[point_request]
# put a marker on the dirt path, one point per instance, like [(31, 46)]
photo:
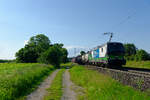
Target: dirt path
[(68, 93), (40, 92)]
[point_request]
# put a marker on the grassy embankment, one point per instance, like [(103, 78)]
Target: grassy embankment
[(139, 64), (17, 80), (55, 90), (101, 87)]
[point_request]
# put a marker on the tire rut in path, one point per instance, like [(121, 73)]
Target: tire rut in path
[(40, 92), (68, 93)]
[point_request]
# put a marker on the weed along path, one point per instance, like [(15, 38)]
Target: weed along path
[(68, 93), (40, 92)]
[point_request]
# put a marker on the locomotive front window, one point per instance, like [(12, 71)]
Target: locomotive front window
[(115, 48)]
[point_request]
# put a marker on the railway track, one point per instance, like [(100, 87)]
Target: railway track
[(138, 78), (140, 71)]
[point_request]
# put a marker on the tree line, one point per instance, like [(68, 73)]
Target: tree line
[(39, 49), (133, 53)]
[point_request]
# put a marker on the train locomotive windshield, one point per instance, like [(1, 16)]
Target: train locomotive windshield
[(115, 49)]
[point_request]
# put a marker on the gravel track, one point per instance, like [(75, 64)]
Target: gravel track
[(135, 71), (68, 93), (139, 71), (40, 92)]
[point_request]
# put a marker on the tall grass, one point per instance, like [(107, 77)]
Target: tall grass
[(138, 64), (17, 80), (101, 87)]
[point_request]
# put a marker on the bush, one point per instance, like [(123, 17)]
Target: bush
[(142, 55), (132, 53), (52, 56)]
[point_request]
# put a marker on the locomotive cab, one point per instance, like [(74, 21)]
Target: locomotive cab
[(115, 53)]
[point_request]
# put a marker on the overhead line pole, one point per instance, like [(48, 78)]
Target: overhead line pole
[(111, 35)]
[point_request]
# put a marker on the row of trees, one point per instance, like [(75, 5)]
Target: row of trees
[(40, 49), (133, 53)]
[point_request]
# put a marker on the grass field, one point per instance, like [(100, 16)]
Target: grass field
[(101, 87), (17, 80), (139, 64), (55, 91)]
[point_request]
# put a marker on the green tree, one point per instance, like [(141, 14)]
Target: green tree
[(141, 55), (64, 55), (148, 56), (52, 56), (130, 49), (64, 52), (27, 54), (39, 49), (20, 55), (59, 45), (32, 51), (40, 42)]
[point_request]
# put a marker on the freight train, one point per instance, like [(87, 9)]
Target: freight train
[(107, 55)]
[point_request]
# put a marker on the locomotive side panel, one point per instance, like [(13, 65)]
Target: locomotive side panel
[(103, 51), (98, 55), (86, 56)]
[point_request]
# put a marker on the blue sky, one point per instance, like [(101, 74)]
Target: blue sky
[(75, 23)]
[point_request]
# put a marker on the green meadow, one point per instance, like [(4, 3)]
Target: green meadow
[(97, 86), (138, 64), (18, 80)]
